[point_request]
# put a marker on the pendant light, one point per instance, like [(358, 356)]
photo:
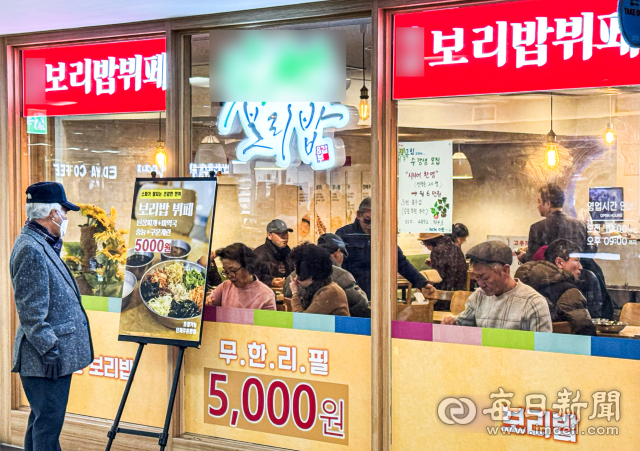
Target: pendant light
[(552, 156), (461, 166), (210, 151), (610, 134), (363, 109), (161, 153)]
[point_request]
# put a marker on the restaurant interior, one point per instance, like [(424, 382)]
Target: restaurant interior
[(504, 139)]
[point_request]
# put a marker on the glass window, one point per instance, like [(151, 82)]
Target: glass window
[(274, 210), (97, 159), (553, 176), (251, 194)]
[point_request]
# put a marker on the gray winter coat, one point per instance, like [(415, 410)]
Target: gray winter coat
[(49, 308)]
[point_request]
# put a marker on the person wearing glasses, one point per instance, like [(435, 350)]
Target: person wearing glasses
[(242, 289), (357, 237)]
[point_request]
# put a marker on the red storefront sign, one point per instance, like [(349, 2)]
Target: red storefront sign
[(116, 77), (529, 45)]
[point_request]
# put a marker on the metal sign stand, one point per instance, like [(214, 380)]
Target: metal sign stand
[(164, 436)]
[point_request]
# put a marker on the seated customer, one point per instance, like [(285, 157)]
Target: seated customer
[(501, 302), (273, 254), (357, 299), (446, 258), (587, 283), (555, 278), (242, 289), (312, 290)]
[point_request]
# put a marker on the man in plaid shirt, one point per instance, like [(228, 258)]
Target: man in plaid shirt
[(501, 302)]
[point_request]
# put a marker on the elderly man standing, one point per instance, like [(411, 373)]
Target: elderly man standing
[(501, 302), (53, 339)]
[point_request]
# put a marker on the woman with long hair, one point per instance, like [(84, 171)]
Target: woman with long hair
[(312, 289)]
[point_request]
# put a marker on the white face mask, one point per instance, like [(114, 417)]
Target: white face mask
[(63, 225)]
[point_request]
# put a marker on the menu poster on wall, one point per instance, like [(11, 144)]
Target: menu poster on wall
[(366, 185), (306, 210), (354, 194), (323, 204), (165, 288), (338, 200), (425, 187)]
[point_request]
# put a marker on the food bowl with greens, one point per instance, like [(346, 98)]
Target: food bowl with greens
[(606, 326), (173, 291)]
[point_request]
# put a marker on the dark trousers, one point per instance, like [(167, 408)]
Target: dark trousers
[(48, 400)]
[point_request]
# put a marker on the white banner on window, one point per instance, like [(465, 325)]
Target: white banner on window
[(425, 186)]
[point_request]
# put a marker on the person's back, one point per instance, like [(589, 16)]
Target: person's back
[(329, 300), (590, 287), (358, 263), (448, 259), (566, 302), (559, 225), (356, 297)]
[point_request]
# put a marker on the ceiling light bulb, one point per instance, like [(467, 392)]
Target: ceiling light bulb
[(552, 155), (363, 109), (161, 155), (609, 134)]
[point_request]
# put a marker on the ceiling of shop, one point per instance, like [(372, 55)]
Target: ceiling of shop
[(26, 16)]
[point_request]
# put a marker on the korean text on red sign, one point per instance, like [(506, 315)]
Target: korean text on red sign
[(528, 45)]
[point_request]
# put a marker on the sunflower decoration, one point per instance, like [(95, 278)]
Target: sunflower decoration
[(110, 251)]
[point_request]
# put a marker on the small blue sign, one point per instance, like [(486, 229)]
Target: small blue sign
[(629, 17)]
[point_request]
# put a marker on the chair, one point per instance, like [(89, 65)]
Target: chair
[(561, 327), (630, 314), (470, 278), (281, 307), (458, 301), (418, 313)]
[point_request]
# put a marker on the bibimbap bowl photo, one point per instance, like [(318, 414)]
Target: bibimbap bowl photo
[(173, 291)]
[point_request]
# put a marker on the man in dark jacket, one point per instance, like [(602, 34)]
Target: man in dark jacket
[(53, 338), (273, 255), (555, 225), (357, 237), (358, 302), (555, 278)]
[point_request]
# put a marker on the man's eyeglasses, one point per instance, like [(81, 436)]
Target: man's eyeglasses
[(366, 220), (230, 272)]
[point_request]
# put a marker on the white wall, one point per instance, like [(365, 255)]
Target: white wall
[(26, 16)]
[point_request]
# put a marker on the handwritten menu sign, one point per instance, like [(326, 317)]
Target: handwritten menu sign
[(425, 186), (165, 286)]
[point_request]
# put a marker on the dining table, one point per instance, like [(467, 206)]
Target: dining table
[(627, 332), (438, 316)]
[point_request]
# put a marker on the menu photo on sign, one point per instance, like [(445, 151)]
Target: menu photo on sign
[(425, 186), (165, 286)]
